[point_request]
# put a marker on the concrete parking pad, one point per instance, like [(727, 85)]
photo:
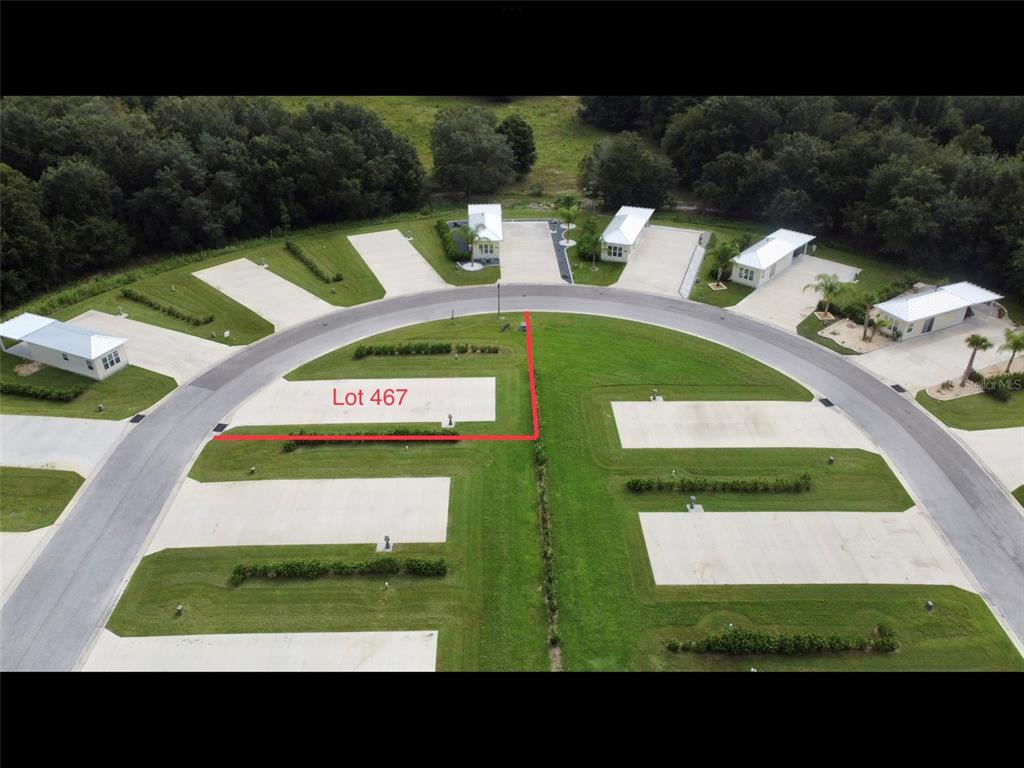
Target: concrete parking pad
[(798, 548), (17, 550), (1001, 450), (399, 267), (271, 297), (312, 402), (269, 652), (735, 424), (263, 512), (528, 253), (174, 354), (932, 359), (53, 442), (660, 261), (783, 301)]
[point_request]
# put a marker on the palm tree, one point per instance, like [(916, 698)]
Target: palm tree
[(569, 214), (975, 341), (567, 207), (1014, 344), (471, 236), (828, 286), (723, 253)]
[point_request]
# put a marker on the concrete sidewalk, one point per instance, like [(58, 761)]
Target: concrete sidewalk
[(270, 652), (265, 512), (735, 424), (312, 402), (798, 548)]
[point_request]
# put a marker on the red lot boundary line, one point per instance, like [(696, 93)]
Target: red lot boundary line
[(444, 438)]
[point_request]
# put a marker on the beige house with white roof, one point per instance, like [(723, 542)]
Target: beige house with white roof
[(623, 234), (485, 220), (64, 346), (769, 257), (932, 308)]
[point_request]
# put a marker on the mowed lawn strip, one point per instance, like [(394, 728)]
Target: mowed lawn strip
[(809, 327), (979, 411), (612, 617), (123, 394), (33, 498)]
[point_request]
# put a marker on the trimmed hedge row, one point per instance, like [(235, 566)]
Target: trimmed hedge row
[(315, 569), (65, 395), (451, 250), (550, 586), (745, 642), (299, 253), (131, 293), (412, 348), (795, 484), (290, 445), (490, 349), (1002, 385)]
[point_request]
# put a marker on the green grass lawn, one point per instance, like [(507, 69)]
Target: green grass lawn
[(562, 139), (123, 394), (975, 411), (1018, 494), (34, 498), (489, 610), (809, 327)]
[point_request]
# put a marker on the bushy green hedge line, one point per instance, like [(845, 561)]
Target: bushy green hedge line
[(131, 293), (745, 642), (314, 569), (489, 349), (299, 253), (1002, 385), (290, 445), (852, 307), (65, 395), (451, 250), (795, 484), (412, 348)]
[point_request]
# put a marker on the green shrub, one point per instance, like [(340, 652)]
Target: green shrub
[(135, 295), (795, 484), (299, 253), (451, 250), (64, 395), (425, 566), (404, 350), (1001, 385), (290, 445), (381, 565), (745, 642)]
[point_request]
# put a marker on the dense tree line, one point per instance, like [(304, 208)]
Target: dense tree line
[(475, 154), (934, 182), (89, 183)]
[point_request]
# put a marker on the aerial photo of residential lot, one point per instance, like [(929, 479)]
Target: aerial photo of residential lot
[(512, 383)]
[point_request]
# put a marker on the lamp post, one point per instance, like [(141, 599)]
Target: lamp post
[(499, 298)]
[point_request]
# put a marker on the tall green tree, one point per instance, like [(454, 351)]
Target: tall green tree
[(588, 240), (828, 286), (470, 156), (622, 170), (1014, 343), (722, 254), (519, 135)]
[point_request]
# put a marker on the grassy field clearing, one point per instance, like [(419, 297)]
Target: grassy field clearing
[(34, 498)]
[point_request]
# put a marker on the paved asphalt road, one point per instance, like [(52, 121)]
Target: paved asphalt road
[(68, 593)]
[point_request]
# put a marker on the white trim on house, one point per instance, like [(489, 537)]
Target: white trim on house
[(623, 233), (943, 306), (64, 346)]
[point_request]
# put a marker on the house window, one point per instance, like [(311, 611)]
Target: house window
[(615, 251), (88, 364), (110, 360), (746, 273), (64, 355), (485, 249)]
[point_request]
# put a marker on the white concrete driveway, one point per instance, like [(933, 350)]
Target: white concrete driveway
[(266, 652), (735, 424), (174, 354), (1001, 450), (660, 261), (798, 548), (264, 512), (399, 267), (528, 253), (425, 400), (55, 442), (783, 300), (932, 359), (271, 297)]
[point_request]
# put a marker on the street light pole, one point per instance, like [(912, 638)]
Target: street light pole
[(499, 299)]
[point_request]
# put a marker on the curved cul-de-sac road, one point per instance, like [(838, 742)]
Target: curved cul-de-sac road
[(69, 591)]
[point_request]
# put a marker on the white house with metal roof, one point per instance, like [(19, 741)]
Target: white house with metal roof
[(485, 220), (932, 308), (64, 346), (769, 257), (624, 232)]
